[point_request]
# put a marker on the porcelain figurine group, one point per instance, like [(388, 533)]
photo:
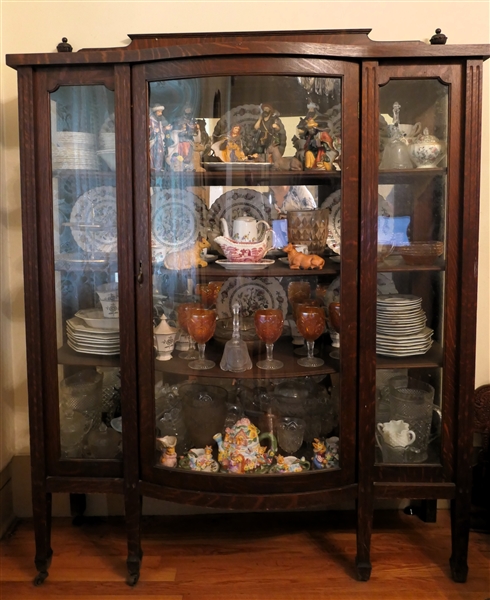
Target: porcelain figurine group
[(241, 451)]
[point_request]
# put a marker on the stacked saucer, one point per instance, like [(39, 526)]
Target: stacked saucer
[(92, 340), (401, 326), (74, 150)]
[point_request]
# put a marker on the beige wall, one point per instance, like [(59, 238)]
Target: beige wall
[(39, 26)]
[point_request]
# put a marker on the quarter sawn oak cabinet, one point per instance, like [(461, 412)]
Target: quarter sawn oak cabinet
[(168, 189)]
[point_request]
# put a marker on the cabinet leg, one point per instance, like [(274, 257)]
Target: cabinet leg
[(364, 529), (460, 533), (133, 525), (78, 505), (42, 532)]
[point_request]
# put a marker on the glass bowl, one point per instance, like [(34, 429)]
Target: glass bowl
[(420, 253)]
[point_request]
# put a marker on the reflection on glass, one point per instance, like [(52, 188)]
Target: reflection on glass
[(85, 247), (231, 126)]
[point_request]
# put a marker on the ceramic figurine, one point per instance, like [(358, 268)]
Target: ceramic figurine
[(189, 258), (290, 464), (298, 260), (200, 459), (240, 450), (281, 163), (167, 446), (326, 453)]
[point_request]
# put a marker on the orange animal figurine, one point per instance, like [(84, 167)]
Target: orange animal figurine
[(298, 260)]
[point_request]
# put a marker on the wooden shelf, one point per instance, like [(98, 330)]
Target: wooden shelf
[(387, 176), (283, 350), (278, 269), (433, 358), (396, 263), (67, 356)]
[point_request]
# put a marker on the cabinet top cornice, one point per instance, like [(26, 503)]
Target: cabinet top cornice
[(347, 43)]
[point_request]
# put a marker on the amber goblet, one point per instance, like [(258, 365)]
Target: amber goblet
[(192, 353), (334, 316), (269, 323), (298, 291), (310, 321), (201, 323), (209, 292), (302, 350)]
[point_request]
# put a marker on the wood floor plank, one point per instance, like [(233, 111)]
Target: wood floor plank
[(246, 557)]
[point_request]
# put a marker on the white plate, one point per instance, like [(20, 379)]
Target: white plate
[(93, 220), (251, 294), (424, 334), (209, 258), (401, 354), (92, 350), (245, 266), (94, 317), (78, 325), (178, 218), (238, 203), (398, 300)]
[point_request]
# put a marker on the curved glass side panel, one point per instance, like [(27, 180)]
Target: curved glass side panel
[(86, 282), (245, 182), (412, 207)]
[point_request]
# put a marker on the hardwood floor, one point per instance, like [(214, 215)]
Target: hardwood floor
[(246, 557)]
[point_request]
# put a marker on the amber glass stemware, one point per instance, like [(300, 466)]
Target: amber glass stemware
[(201, 323), (303, 350), (310, 321), (209, 292), (192, 353), (269, 323), (334, 316)]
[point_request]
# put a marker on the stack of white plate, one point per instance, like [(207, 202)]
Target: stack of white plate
[(100, 337), (74, 150), (401, 326), (107, 149)]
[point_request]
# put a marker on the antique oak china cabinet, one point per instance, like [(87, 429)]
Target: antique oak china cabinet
[(161, 184)]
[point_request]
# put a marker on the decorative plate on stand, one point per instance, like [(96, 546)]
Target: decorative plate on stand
[(93, 220), (178, 218), (251, 294)]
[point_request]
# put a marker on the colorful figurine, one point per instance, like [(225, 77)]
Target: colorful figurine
[(189, 258), (298, 260), (326, 453)]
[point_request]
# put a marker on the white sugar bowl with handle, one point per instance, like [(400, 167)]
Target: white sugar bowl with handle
[(426, 150)]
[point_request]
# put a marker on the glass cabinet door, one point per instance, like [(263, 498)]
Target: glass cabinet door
[(86, 271), (412, 330), (245, 202)]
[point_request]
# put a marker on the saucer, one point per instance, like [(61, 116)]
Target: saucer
[(246, 266)]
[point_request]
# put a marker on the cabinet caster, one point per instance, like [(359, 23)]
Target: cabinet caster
[(459, 571), (40, 577), (363, 571), (132, 579)]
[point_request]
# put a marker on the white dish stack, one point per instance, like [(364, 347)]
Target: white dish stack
[(74, 150), (107, 149), (401, 326), (100, 337)]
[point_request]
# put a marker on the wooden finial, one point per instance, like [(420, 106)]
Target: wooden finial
[(64, 46), (438, 38)]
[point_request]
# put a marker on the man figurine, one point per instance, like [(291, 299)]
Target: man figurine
[(267, 128), (159, 127)]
